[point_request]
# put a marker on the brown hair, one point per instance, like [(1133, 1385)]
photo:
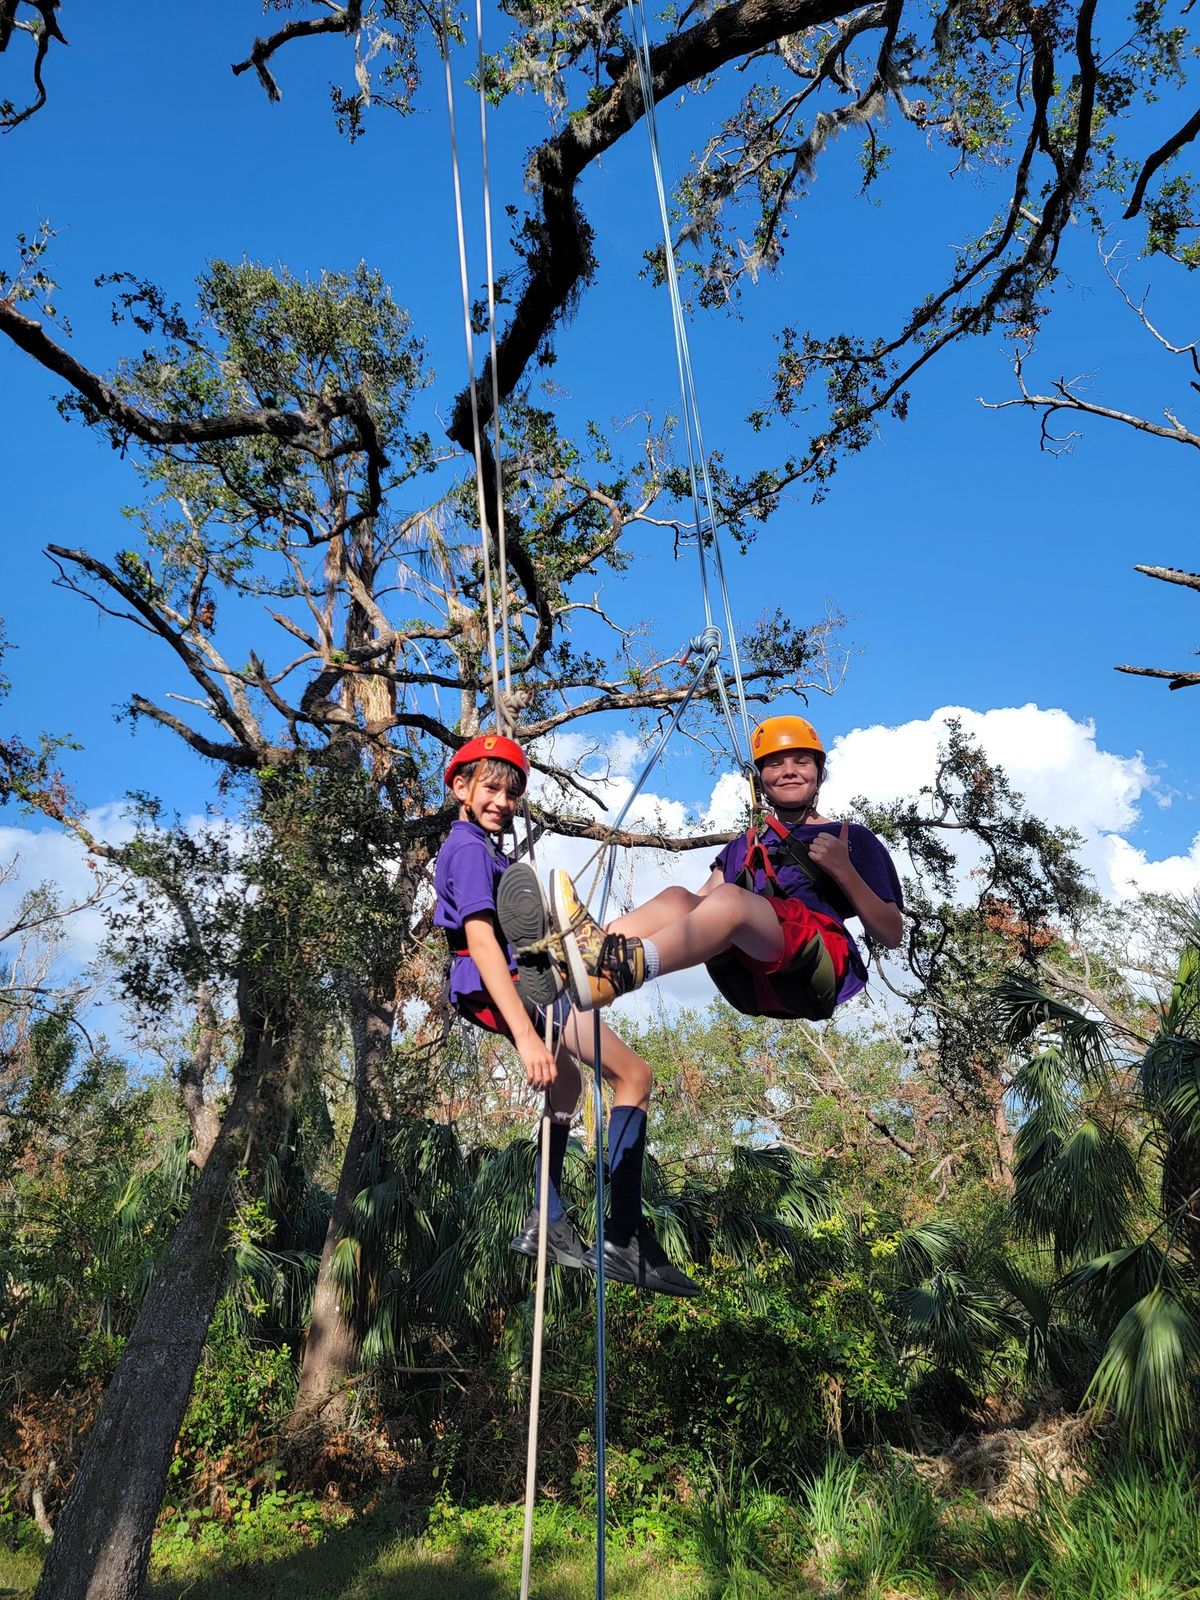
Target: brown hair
[(494, 771)]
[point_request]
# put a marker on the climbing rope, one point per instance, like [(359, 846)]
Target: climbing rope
[(501, 703), (473, 388), (708, 643), (697, 455)]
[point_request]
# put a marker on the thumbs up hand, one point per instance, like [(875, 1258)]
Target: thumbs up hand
[(831, 852)]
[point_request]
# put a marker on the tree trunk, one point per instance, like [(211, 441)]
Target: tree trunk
[(330, 1356), (195, 1079), (1006, 1149), (102, 1538)]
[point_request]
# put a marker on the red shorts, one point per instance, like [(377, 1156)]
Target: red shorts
[(764, 989), (797, 923), (478, 1008)]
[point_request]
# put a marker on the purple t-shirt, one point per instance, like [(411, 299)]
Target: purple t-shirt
[(868, 856), (469, 868)]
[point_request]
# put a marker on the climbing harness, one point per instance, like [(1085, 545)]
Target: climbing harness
[(809, 986)]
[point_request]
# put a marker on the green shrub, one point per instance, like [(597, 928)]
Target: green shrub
[(241, 1389)]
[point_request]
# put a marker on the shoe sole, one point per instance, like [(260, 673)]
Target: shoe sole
[(616, 1272), (525, 919), (579, 979)]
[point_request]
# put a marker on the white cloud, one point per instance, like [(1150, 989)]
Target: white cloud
[(1050, 757), (1130, 871)]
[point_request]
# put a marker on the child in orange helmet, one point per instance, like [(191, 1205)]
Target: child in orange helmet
[(770, 921), (485, 905)]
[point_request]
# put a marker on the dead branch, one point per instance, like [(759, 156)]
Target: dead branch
[(1178, 680), (347, 19), (44, 34)]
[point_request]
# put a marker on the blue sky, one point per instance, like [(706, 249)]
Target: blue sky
[(975, 571)]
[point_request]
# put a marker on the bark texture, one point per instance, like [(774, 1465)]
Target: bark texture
[(101, 1542), (331, 1347)]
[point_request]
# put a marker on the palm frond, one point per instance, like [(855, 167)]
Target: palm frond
[(1076, 1186), (1170, 1075), (1149, 1371), (1024, 1009), (923, 1248), (1113, 1282), (957, 1319)]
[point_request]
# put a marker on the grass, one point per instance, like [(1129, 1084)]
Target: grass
[(849, 1535)]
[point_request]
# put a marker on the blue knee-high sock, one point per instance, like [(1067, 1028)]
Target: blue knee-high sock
[(560, 1132), (626, 1153)]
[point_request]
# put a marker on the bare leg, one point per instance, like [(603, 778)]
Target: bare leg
[(629, 1075), (644, 921), (565, 1090), (726, 916)]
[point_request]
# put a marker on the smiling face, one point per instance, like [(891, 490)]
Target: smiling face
[(790, 779), (491, 793)]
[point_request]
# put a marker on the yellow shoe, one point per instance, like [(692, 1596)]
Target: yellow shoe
[(600, 966)]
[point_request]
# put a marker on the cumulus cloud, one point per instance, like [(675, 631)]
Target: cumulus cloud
[(1050, 757)]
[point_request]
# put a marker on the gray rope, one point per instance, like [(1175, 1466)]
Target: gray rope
[(693, 430)]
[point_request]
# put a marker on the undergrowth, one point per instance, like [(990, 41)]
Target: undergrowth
[(846, 1533)]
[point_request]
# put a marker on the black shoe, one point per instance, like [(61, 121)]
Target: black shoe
[(644, 1263), (564, 1247), (525, 918)]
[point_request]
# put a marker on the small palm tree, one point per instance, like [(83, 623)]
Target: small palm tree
[(1108, 1176)]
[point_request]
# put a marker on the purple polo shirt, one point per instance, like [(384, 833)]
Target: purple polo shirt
[(469, 868), (868, 856)]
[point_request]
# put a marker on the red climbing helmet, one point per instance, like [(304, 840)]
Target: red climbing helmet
[(488, 747), (785, 733)]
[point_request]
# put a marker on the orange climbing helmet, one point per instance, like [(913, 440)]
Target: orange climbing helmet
[(488, 747), (785, 733)]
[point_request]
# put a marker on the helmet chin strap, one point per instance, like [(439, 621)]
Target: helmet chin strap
[(759, 804)]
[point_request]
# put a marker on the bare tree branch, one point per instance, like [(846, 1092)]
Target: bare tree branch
[(347, 19), (1165, 151), (1179, 680), (48, 31), (1189, 580)]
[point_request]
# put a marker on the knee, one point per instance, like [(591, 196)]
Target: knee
[(633, 1079), (729, 897), (641, 1081), (677, 899)]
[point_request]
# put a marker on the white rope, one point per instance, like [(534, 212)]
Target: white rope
[(501, 549), (535, 1371), (476, 431), (501, 704), (693, 431)]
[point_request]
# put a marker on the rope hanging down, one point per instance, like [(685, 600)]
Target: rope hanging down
[(697, 455), (708, 642), (501, 704)]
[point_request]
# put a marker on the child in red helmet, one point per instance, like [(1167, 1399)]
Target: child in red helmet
[(480, 895), (770, 922)]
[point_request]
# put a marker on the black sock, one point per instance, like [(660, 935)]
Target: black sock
[(626, 1153), (560, 1132)]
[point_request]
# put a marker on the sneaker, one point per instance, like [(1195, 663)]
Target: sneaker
[(600, 966), (525, 919), (644, 1263), (564, 1247)]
